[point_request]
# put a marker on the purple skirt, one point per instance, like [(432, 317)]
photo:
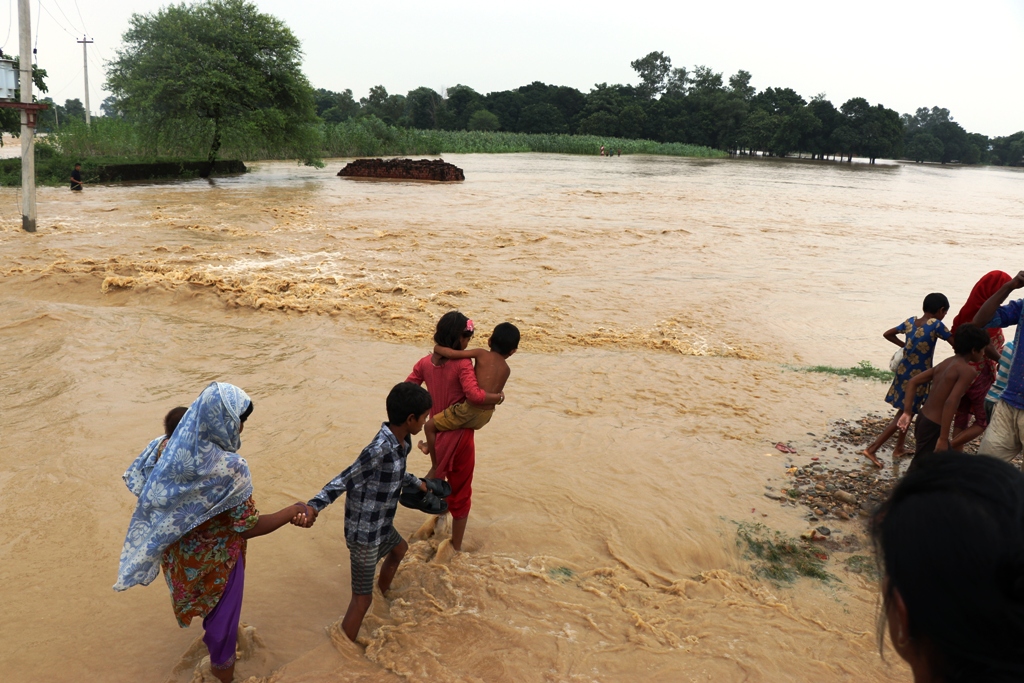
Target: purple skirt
[(221, 625)]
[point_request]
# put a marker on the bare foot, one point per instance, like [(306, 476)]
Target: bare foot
[(422, 445), (898, 453), (871, 456)]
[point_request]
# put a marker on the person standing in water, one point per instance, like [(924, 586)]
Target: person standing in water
[(194, 516), (76, 178)]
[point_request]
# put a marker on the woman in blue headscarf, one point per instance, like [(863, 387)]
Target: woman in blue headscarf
[(194, 515)]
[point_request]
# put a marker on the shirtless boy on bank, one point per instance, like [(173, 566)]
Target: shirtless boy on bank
[(492, 372), (950, 380)]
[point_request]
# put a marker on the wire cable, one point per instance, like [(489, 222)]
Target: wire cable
[(61, 10), (81, 17), (55, 20)]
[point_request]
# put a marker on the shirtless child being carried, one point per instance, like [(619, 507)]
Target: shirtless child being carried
[(492, 372), (949, 379)]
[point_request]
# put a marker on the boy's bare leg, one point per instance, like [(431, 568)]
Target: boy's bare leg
[(357, 609), (390, 566), (458, 531)]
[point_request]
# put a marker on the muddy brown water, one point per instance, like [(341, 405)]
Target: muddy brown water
[(663, 303)]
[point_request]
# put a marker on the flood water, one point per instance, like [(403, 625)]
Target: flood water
[(664, 304)]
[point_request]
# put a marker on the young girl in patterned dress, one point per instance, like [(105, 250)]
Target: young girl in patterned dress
[(921, 335), (194, 515)]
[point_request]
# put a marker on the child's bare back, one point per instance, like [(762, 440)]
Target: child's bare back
[(492, 370)]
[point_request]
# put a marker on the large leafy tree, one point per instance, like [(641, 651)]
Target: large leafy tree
[(222, 61)]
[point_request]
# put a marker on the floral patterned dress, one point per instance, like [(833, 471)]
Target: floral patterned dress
[(918, 350), (198, 565)]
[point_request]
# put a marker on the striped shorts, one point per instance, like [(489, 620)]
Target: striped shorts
[(364, 559)]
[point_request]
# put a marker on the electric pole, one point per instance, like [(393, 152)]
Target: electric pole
[(85, 67), (28, 148)]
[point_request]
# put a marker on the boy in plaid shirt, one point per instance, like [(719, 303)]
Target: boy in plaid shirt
[(373, 483)]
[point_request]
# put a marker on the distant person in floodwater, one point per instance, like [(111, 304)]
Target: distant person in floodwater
[(76, 178), (921, 334), (949, 381), (602, 150), (194, 515), (950, 548)]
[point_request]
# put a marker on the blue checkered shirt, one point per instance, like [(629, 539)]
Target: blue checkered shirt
[(373, 483)]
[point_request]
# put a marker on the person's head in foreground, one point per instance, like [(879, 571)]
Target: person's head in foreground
[(950, 543)]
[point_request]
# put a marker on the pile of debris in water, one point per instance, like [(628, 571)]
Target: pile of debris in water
[(403, 169)]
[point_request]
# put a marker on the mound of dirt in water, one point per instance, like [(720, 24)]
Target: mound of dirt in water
[(403, 169)]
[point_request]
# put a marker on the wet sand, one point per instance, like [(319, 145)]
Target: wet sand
[(662, 302)]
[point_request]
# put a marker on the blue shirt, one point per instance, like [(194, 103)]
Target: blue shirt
[(1012, 314), (373, 483)]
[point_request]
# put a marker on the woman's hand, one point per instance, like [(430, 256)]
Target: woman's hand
[(305, 516)]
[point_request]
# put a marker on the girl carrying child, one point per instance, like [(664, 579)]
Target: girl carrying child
[(921, 334)]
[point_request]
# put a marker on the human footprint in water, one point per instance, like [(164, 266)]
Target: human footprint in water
[(491, 371), (194, 516), (921, 334)]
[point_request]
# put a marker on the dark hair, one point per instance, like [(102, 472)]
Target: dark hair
[(935, 302), (449, 330), (505, 338), (247, 412), (172, 418), (950, 539), (969, 338), (407, 399)]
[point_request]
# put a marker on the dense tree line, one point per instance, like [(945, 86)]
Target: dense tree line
[(221, 69), (698, 106)]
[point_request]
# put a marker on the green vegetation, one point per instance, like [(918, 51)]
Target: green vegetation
[(219, 67), (777, 557), (863, 369), (120, 138), (862, 564), (54, 168), (561, 573), (219, 78)]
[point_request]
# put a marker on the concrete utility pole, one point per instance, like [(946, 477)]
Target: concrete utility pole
[(85, 66), (28, 147)]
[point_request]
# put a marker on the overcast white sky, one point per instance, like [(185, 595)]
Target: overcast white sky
[(967, 57)]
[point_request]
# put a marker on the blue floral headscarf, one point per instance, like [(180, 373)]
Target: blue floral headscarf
[(199, 476)]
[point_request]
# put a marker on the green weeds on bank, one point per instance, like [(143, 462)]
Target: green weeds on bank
[(131, 141), (863, 369), (777, 557)]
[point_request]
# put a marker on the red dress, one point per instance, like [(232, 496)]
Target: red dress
[(452, 382)]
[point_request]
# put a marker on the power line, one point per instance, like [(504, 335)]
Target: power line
[(55, 20), (81, 17), (61, 10)]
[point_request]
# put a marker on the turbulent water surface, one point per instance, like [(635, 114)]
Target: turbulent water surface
[(663, 302)]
